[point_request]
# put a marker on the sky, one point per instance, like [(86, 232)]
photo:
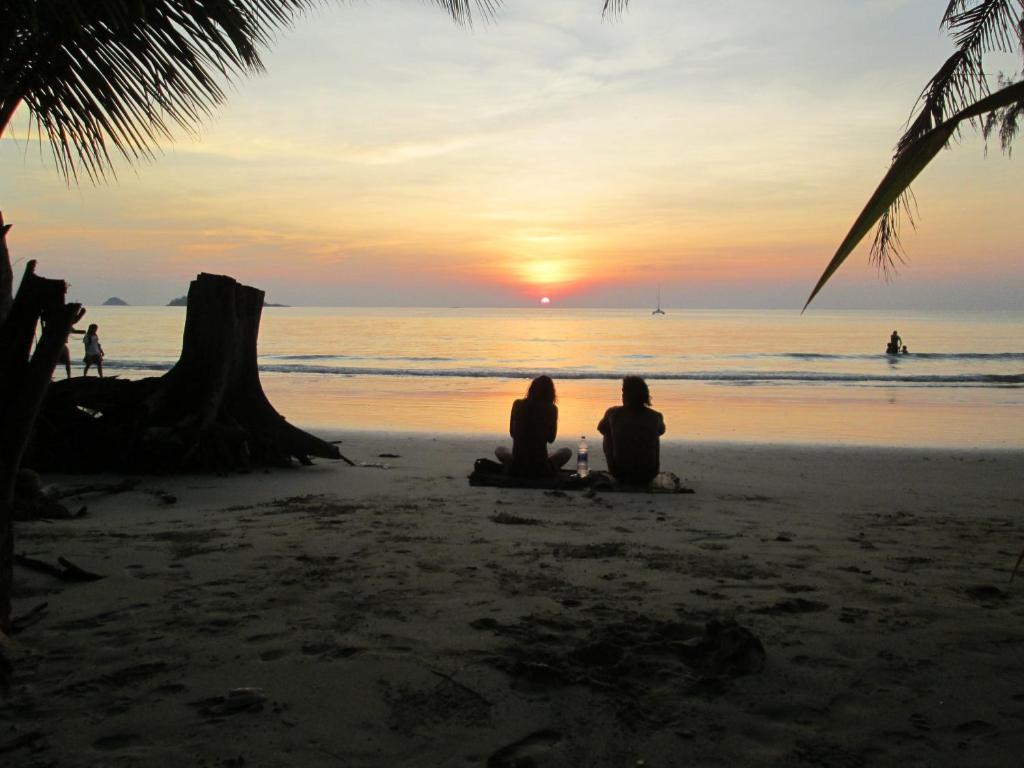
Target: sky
[(389, 157)]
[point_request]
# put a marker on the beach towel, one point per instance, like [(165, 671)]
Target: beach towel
[(491, 473)]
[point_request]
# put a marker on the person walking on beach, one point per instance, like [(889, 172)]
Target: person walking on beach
[(93, 350), (534, 424), (631, 435)]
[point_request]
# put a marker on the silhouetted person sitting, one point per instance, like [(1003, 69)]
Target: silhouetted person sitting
[(534, 424), (631, 432)]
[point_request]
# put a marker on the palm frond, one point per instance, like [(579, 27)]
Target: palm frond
[(887, 247), (102, 76), (1008, 121), (114, 77), (614, 7), (989, 25), (1004, 122), (461, 11), (908, 164), (977, 27)]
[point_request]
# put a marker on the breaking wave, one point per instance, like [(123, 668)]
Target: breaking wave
[(721, 377)]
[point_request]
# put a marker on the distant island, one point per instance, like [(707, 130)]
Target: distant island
[(182, 301), (115, 301)]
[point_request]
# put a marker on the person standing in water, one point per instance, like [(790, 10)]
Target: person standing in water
[(532, 425), (93, 350), (895, 342), (631, 435)]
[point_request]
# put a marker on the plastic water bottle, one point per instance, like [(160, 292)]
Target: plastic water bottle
[(582, 458)]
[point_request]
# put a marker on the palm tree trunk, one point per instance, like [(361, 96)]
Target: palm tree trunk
[(6, 481), (7, 109), (6, 272)]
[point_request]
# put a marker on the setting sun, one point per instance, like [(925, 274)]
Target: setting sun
[(545, 300)]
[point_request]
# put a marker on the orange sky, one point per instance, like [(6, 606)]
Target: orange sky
[(390, 157)]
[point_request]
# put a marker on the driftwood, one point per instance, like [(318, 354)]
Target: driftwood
[(208, 413), (67, 571), (25, 374), (106, 489), (34, 502)]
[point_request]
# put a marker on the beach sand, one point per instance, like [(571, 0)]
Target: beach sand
[(396, 616)]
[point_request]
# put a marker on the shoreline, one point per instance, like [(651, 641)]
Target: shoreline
[(719, 375), (487, 441), (400, 617)]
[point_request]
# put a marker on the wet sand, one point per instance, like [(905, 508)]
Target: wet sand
[(396, 616)]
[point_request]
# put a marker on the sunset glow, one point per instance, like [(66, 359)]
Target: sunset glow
[(546, 273), (547, 152)]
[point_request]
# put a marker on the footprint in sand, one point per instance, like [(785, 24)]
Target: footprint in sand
[(533, 751)]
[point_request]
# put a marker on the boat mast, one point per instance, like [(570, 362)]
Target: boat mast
[(659, 310)]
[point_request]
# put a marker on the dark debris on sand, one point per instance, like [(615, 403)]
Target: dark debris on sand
[(627, 659)]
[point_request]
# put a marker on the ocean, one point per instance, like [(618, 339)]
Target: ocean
[(764, 376)]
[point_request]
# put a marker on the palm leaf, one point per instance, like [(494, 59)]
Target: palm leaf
[(614, 7), (977, 27), (905, 169), (462, 10), (115, 76), (986, 25)]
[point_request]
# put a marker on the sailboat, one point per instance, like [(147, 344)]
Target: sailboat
[(658, 310)]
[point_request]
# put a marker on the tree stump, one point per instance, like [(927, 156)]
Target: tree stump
[(208, 413)]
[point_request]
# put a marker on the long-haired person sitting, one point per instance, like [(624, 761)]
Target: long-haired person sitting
[(534, 424), (631, 432)]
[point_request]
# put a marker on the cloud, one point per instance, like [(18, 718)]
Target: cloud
[(390, 155)]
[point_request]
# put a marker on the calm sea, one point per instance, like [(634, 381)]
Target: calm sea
[(737, 376)]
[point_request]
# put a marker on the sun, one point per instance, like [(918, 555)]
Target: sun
[(545, 300)]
